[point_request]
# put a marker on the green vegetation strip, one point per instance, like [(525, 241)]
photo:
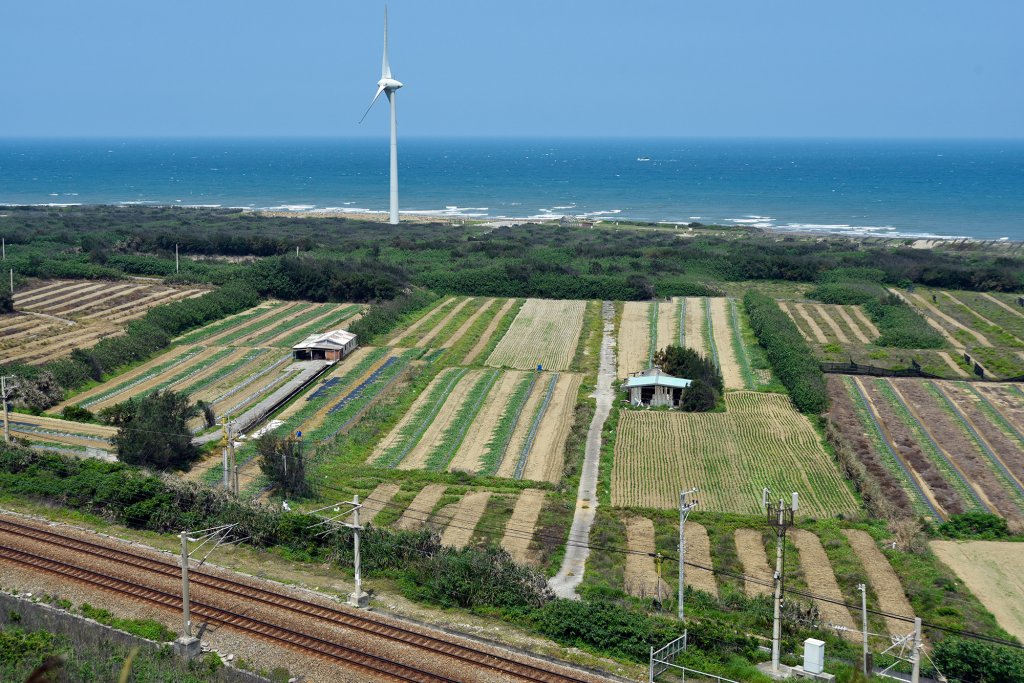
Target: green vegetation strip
[(498, 445), (993, 414), (652, 344), (430, 323), (682, 322), (749, 379), (995, 462), (893, 462), (192, 371), (216, 328), (340, 420), (323, 325), (709, 331), (924, 439), (154, 372), (524, 454), (223, 372), (248, 329), (252, 378), (456, 432), (414, 431), (290, 323)]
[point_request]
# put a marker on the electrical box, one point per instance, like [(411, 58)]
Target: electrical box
[(814, 656)]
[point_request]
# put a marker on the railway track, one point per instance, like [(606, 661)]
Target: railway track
[(334, 616), (279, 634)]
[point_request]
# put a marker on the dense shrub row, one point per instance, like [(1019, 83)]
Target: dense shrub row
[(791, 358), (901, 326), (384, 316), (847, 292), (321, 279)]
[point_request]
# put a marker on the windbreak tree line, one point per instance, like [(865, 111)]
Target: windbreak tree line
[(791, 358)]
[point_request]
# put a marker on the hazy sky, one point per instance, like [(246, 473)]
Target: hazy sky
[(864, 68)]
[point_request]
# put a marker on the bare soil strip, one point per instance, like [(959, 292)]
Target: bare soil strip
[(36, 291), (47, 302), (96, 299), (463, 521), (60, 344), (470, 321), (982, 339), (422, 319), (982, 318), (750, 549), (268, 309), (668, 325), (634, 337), (952, 364), (721, 327), (66, 291), (1000, 302), (790, 310), (522, 428), (339, 371), (991, 570), (546, 459), (168, 297), (395, 435), (641, 575), (311, 323), (883, 579), (698, 551), (420, 508), (485, 338), (431, 439), (56, 424), (953, 322), (143, 303), (376, 501), (1006, 401), (864, 320), (293, 311), (430, 336), (149, 384), (694, 324), (521, 525), (824, 312), (855, 328), (474, 445), (812, 324), (819, 575)]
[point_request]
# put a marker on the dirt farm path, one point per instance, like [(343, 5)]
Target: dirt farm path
[(864, 320), (462, 524), (546, 459), (134, 373), (641, 575), (812, 324), (395, 435), (521, 525), (698, 551), (420, 508), (1002, 303), (991, 570), (888, 588), (818, 573), (570, 574), (948, 359), (479, 347), (750, 549)]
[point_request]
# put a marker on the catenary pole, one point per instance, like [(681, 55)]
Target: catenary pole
[(185, 611), (915, 674)]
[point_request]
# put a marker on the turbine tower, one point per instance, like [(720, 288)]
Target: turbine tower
[(389, 86)]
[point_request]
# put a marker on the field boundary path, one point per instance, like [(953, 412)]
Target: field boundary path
[(570, 574)]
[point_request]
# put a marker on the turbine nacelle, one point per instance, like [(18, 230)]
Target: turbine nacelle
[(389, 84)]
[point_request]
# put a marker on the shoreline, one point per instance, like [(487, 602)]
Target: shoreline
[(452, 216)]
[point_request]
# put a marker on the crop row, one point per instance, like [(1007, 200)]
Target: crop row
[(290, 322), (893, 462), (253, 327), (995, 462), (506, 427), (383, 377), (652, 347), (216, 328), (421, 420), (152, 374), (429, 322), (454, 435), (524, 454), (740, 349), (709, 332), (994, 415), (543, 333), (252, 379), (225, 371), (191, 371), (325, 324), (928, 445)]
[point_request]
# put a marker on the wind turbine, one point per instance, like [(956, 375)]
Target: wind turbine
[(389, 86)]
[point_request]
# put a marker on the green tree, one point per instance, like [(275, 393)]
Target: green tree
[(6, 302), (154, 431), (699, 397), (684, 362), (972, 661), (281, 462)]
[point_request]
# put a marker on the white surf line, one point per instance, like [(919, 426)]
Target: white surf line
[(577, 550)]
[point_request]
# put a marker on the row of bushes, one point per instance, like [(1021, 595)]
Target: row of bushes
[(901, 326), (385, 316), (791, 358), (847, 292)]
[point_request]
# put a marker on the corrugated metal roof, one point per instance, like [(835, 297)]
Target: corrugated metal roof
[(335, 339), (659, 380)]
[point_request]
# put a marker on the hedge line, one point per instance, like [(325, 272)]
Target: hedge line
[(792, 360)]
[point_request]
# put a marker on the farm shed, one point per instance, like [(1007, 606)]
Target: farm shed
[(655, 388), (333, 345)]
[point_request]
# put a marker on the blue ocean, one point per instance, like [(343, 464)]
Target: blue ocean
[(907, 188)]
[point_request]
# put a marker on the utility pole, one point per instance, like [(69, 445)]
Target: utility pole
[(657, 561), (684, 512), (186, 615), (866, 664), (5, 248), (915, 656), (5, 390), (188, 645), (357, 598), (12, 280), (779, 516), (177, 268), (230, 466)]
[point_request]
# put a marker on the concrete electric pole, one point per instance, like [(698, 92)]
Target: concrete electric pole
[(780, 516), (6, 391), (684, 512)]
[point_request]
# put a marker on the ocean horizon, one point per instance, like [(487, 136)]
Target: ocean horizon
[(894, 188)]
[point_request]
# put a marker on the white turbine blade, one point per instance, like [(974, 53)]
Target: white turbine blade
[(385, 69), (372, 102)]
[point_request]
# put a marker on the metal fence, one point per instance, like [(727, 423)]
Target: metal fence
[(664, 658)]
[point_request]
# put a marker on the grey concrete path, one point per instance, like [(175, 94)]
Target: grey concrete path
[(574, 563)]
